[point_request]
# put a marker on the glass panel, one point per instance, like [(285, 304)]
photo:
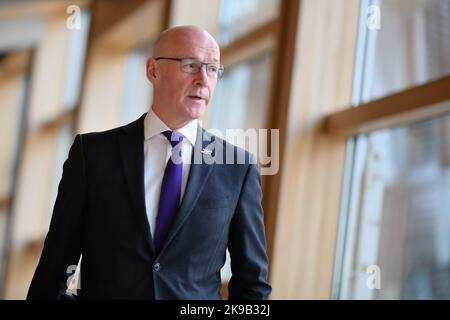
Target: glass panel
[(32, 203), (138, 91), (12, 91), (411, 47), (3, 216), (3, 222), (241, 96), (75, 61), (399, 223), (238, 17), (3, 235), (64, 140)]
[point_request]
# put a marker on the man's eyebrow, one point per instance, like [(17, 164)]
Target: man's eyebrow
[(196, 58)]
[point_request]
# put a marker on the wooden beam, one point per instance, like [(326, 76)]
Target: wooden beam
[(307, 216), (67, 117), (106, 13), (15, 62), (6, 201), (149, 17), (409, 105), (279, 104)]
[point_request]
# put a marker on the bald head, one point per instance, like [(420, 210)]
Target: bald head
[(175, 40)]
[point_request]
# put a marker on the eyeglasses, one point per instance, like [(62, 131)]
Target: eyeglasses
[(189, 65)]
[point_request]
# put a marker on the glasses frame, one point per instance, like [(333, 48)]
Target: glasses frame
[(220, 69)]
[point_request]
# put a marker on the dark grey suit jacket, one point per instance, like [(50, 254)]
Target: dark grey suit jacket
[(100, 213)]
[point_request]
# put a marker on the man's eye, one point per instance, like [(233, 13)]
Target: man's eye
[(213, 69)]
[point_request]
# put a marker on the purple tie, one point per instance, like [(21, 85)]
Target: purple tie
[(169, 198)]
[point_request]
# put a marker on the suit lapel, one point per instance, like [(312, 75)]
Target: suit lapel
[(198, 175), (131, 143)]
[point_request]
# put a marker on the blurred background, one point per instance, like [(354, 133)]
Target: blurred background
[(360, 93)]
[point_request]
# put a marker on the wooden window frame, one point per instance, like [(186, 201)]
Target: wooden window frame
[(6, 201), (414, 104)]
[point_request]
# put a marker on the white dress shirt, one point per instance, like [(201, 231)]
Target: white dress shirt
[(157, 151)]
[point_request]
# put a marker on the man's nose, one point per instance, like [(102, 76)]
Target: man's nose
[(201, 77)]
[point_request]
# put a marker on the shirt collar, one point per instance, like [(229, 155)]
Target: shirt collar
[(153, 126)]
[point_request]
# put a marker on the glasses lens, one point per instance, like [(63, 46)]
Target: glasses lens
[(194, 66), (212, 69), (220, 71), (190, 66)]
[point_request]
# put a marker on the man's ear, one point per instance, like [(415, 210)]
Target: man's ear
[(151, 69)]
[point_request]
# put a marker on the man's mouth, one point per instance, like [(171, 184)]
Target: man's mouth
[(198, 98)]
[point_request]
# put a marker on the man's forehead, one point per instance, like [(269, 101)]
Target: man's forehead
[(188, 42), (199, 58), (196, 45), (189, 50)]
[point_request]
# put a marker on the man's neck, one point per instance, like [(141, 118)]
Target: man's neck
[(171, 123)]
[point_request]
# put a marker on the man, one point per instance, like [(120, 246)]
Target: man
[(149, 222)]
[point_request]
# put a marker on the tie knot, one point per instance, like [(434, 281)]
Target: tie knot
[(174, 137)]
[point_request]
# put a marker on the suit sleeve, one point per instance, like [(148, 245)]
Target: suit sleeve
[(62, 246), (247, 243)]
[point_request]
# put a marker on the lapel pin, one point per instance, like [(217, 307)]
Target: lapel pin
[(206, 151)]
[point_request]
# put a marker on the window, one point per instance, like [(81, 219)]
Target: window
[(395, 210), (12, 90), (239, 17), (57, 68), (3, 239), (75, 62), (137, 96), (411, 47), (401, 220), (64, 140), (3, 225), (246, 107)]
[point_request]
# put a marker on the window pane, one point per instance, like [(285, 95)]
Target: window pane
[(241, 96), (3, 216), (57, 69), (411, 47), (3, 235), (41, 166), (238, 17), (64, 139), (12, 91), (75, 61), (399, 215), (137, 96)]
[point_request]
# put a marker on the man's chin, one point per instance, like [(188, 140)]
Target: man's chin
[(195, 112)]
